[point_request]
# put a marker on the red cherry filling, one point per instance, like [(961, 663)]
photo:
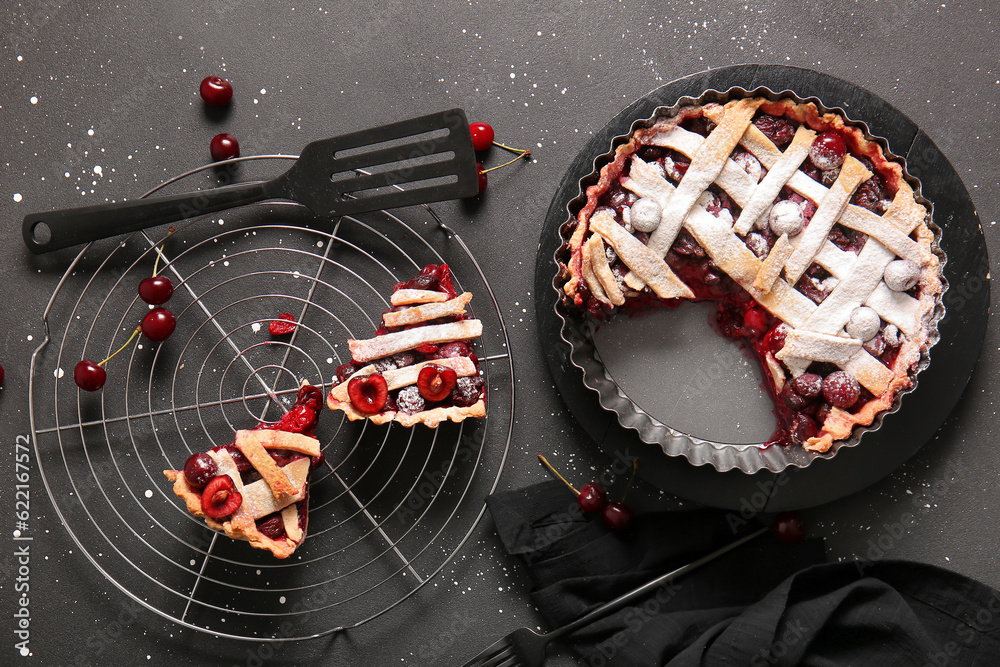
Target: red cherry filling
[(285, 324), (841, 390), (368, 394), (156, 290), (827, 150), (220, 497), (273, 527), (436, 382), (200, 469)]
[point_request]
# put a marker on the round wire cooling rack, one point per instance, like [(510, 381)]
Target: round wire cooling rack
[(390, 507)]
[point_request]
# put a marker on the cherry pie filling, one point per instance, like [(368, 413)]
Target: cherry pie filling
[(802, 403), (437, 385)]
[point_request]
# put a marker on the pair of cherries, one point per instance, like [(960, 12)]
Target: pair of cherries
[(592, 498), (218, 92), (483, 138), (157, 325)]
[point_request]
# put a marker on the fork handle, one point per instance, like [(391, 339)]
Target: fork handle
[(54, 230), (636, 593)]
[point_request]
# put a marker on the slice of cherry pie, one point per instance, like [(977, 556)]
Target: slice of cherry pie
[(257, 487), (420, 367), (807, 236)]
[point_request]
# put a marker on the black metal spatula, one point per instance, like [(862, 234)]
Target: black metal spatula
[(430, 158)]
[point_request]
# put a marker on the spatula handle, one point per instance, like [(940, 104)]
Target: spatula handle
[(61, 229)]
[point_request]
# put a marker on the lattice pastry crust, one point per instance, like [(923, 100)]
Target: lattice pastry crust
[(713, 180)]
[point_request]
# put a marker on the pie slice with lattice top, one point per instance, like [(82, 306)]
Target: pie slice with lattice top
[(420, 367), (810, 240), (257, 487)]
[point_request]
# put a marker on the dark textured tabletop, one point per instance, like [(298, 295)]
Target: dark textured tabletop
[(99, 102)]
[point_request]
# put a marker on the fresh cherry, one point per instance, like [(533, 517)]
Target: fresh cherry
[(789, 528), (436, 382), (483, 180), (224, 147), (158, 324), (216, 91), (156, 290), (592, 498), (220, 497), (368, 394), (482, 136), (285, 324), (200, 469), (617, 516), (89, 376)]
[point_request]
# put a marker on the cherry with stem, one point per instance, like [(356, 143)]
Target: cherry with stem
[(591, 498)]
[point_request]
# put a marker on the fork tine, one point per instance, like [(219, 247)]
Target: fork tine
[(502, 658), (492, 656)]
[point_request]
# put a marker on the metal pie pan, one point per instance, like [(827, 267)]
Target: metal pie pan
[(577, 329)]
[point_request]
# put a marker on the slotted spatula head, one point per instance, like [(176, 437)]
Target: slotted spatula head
[(414, 161)]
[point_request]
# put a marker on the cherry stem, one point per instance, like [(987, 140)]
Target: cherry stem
[(635, 467), (520, 151), (522, 154), (130, 339), (159, 254), (556, 473)]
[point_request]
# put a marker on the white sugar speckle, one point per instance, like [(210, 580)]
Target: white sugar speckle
[(58, 372), (17, 196), (98, 170), (90, 132), (329, 360), (20, 58), (263, 91), (149, 493), (33, 100), (282, 599), (255, 326), (30, 338), (192, 562)]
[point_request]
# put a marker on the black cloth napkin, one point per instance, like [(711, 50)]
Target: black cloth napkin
[(764, 603)]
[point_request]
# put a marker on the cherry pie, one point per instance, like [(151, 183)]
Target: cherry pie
[(807, 236), (420, 367), (257, 487)]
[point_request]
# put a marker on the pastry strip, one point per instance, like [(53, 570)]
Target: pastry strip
[(765, 193), (406, 297), (602, 270), (427, 311), (382, 346), (262, 462), (773, 263)]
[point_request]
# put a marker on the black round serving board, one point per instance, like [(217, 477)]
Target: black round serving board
[(921, 412)]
